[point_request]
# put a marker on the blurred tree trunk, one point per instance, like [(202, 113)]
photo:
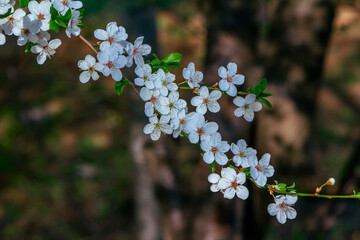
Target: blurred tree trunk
[(285, 41)]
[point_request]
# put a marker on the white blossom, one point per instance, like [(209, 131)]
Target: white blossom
[(45, 49), (40, 12), (112, 62), (136, 52), (90, 68), (143, 79), (73, 26), (175, 104), (156, 126), (28, 33), (282, 208), (206, 101), (215, 149), (179, 123), (230, 79), (193, 77), (243, 154), (112, 37), (198, 128), (164, 82), (14, 23), (153, 101), (247, 107), (261, 170), (232, 183)]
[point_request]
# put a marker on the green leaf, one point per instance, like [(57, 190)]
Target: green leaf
[(259, 88), (29, 45), (60, 23), (54, 13), (212, 165), (119, 86), (265, 94), (24, 3), (172, 58), (54, 26), (292, 185), (67, 16), (265, 102), (247, 172), (8, 13)]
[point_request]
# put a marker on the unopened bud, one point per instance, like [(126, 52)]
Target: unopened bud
[(331, 181), (215, 85)]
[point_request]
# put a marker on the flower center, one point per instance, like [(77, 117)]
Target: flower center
[(246, 106), (182, 122), (11, 19), (206, 100), (242, 154), (234, 184), (110, 39), (153, 99), (200, 131), (26, 31), (91, 70), (258, 168), (214, 150), (41, 16), (65, 3), (135, 50), (110, 64), (282, 205), (229, 79)]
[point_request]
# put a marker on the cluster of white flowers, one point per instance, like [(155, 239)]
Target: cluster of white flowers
[(167, 112), (115, 53), (33, 27)]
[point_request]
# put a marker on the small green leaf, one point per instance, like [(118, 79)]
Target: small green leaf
[(265, 102), (54, 13), (259, 88), (292, 185), (67, 16), (212, 165), (61, 23), (172, 58), (247, 172), (265, 94), (24, 3), (8, 13), (29, 45), (119, 86), (54, 26)]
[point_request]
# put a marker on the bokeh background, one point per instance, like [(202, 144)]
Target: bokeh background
[(74, 163)]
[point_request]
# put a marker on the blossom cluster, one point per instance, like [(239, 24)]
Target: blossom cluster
[(167, 112), (32, 28)]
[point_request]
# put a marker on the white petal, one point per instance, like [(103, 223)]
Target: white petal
[(261, 180), (291, 199), (249, 115), (238, 79), (239, 101), (85, 76), (273, 209), (201, 108), (214, 188), (235, 148), (155, 135), (215, 95), (291, 213), (208, 157), (265, 160), (224, 183), (196, 101), (240, 178), (256, 106), (222, 72), (224, 85), (101, 34), (232, 69), (229, 193), (194, 137), (54, 44), (213, 107), (210, 128), (205, 146), (232, 91), (250, 98), (149, 128), (242, 192), (239, 112), (281, 217), (213, 178)]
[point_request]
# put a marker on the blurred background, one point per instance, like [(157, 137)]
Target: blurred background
[(74, 163)]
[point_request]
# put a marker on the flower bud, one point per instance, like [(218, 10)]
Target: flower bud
[(331, 181)]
